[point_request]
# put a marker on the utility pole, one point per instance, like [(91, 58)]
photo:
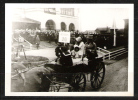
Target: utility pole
[(114, 26)]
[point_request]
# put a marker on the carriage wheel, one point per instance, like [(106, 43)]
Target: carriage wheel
[(78, 82), (97, 76)]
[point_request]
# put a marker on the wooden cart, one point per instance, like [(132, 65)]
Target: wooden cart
[(73, 78)]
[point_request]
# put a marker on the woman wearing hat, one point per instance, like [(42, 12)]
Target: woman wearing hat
[(81, 46)]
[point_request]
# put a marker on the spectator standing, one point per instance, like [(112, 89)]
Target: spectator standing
[(37, 41), (76, 34), (83, 38), (56, 37), (49, 37)]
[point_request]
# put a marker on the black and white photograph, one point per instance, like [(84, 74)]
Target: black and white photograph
[(69, 49)]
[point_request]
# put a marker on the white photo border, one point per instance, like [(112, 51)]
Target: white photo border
[(8, 30)]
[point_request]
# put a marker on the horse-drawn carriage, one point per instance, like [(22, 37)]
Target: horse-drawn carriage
[(73, 78), (54, 77)]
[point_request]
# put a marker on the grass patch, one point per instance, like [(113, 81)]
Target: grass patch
[(34, 60), (29, 59)]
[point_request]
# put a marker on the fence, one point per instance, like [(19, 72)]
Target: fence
[(30, 45), (110, 55)]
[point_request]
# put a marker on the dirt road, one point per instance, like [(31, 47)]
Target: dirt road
[(116, 77)]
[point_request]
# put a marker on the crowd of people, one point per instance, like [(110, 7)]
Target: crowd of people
[(47, 35), (102, 40), (52, 36)]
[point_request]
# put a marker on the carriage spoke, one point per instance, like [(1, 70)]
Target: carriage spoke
[(100, 69), (81, 79), (79, 76), (101, 72), (98, 80), (94, 80), (93, 75), (100, 76), (78, 82), (81, 83), (95, 83)]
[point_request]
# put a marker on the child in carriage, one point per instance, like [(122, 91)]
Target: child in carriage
[(78, 48)]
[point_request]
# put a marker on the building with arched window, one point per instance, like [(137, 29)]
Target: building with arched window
[(55, 18)]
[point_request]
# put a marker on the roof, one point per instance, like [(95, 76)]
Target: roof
[(103, 29), (120, 30), (26, 20)]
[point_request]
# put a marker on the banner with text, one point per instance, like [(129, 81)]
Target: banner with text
[(64, 37)]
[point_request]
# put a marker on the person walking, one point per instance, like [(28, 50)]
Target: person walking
[(37, 41)]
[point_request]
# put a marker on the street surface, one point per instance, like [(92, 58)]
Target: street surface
[(116, 77)]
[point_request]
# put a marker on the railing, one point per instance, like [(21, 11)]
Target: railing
[(105, 53), (15, 39), (110, 55), (30, 45), (117, 53)]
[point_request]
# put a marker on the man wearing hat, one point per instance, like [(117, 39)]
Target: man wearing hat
[(90, 49)]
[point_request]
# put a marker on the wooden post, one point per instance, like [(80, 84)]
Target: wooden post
[(24, 52), (109, 56)]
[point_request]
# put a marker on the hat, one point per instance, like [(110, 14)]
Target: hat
[(64, 49), (78, 39)]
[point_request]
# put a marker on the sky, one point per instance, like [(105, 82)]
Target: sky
[(102, 17)]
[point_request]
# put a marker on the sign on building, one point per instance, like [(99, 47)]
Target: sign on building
[(64, 37), (50, 10)]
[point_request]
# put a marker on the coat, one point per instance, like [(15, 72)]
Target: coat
[(91, 50)]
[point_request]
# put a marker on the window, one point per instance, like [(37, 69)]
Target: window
[(71, 27), (67, 11), (50, 10), (63, 26), (50, 25)]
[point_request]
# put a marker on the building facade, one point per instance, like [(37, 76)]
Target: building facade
[(54, 18)]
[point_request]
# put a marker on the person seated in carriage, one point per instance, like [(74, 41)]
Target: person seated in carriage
[(63, 55), (78, 48), (74, 51), (90, 50)]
